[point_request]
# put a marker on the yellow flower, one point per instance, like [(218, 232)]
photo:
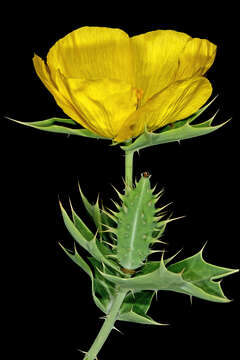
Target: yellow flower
[(116, 85)]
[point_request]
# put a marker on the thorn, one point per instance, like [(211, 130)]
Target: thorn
[(103, 318), (116, 204), (158, 218), (153, 189), (109, 244), (111, 256), (181, 272), (95, 235), (114, 213), (67, 250), (163, 207), (84, 352), (156, 240), (156, 251), (121, 196), (118, 330), (163, 252), (97, 201), (110, 215), (190, 299), (173, 219), (205, 244), (159, 194), (70, 203), (156, 294), (109, 229)]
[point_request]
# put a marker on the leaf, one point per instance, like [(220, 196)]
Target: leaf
[(76, 234), (177, 131), (91, 246), (166, 279), (104, 289), (93, 210), (77, 259), (81, 226), (135, 307), (141, 301), (150, 266), (134, 317), (200, 273), (51, 125), (98, 215)]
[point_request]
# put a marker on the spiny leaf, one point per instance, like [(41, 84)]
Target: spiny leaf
[(92, 246), (94, 211), (51, 125), (200, 273), (134, 317), (81, 226), (104, 290), (77, 259), (179, 130), (76, 234), (164, 279), (135, 308)]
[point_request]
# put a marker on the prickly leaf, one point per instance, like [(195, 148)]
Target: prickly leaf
[(52, 125), (161, 278), (104, 289), (135, 225), (202, 274), (177, 131), (94, 211), (77, 259), (94, 246), (81, 226), (135, 308)]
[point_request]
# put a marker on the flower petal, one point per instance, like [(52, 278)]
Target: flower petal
[(104, 104), (197, 57), (155, 58), (43, 73), (93, 52), (61, 98), (178, 101)]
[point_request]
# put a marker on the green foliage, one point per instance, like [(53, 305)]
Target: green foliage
[(96, 248), (110, 270), (198, 281), (180, 130), (58, 125)]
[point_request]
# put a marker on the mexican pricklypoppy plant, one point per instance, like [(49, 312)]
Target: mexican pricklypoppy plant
[(136, 92)]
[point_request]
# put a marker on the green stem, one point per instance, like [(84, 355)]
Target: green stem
[(107, 326), (128, 168)]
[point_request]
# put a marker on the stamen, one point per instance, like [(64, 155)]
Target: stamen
[(139, 93)]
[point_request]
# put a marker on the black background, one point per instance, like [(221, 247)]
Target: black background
[(47, 300)]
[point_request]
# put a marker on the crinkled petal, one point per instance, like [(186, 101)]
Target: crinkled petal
[(196, 58), (155, 59), (178, 101), (91, 53), (104, 104)]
